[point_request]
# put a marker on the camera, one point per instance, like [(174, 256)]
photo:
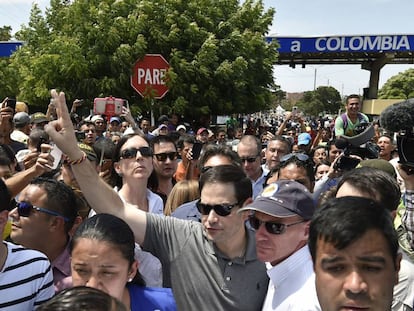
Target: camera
[(359, 145)]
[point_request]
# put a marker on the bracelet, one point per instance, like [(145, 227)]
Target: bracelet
[(78, 161)]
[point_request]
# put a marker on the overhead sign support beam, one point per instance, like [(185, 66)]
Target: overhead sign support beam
[(371, 52)]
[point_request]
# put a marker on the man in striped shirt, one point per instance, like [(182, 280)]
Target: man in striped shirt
[(26, 278)]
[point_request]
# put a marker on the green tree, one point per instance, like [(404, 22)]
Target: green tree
[(399, 86), (219, 60), (324, 99), (8, 85), (5, 33)]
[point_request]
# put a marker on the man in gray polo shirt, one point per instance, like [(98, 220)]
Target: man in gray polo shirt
[(210, 265)]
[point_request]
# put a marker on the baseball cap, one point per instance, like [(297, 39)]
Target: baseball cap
[(117, 119), (162, 126), (201, 130), (304, 139), (96, 118), (181, 127), (380, 164), (21, 118), (284, 198), (38, 117), (90, 153)]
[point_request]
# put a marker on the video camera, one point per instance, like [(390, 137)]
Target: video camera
[(359, 145)]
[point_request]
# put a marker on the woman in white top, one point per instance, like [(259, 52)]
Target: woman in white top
[(132, 166)]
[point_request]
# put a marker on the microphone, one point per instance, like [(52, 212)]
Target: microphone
[(400, 118)]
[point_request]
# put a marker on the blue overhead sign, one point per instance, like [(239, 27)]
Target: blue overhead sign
[(7, 48), (331, 44)]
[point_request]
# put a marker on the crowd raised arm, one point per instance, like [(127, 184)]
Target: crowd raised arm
[(249, 215), (99, 194)]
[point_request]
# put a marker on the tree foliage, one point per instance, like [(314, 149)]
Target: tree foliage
[(400, 86), (324, 99), (219, 60), (6, 89)]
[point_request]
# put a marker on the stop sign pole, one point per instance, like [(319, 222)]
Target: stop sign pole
[(148, 76)]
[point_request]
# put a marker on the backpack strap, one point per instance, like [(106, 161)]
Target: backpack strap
[(344, 120)]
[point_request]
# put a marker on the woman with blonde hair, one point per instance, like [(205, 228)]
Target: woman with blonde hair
[(182, 192)]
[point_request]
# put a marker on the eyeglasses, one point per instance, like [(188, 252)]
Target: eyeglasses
[(300, 156), (271, 227), (220, 209), (249, 159), (24, 209), (163, 156), (132, 152)]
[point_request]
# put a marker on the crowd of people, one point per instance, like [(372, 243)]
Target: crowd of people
[(282, 215)]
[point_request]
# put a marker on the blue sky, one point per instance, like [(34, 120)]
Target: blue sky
[(304, 18)]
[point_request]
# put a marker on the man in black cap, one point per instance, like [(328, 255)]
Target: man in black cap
[(281, 215)]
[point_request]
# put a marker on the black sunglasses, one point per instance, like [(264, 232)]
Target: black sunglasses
[(132, 152), (205, 169), (24, 209), (300, 156), (249, 159), (163, 156), (220, 209), (271, 227)]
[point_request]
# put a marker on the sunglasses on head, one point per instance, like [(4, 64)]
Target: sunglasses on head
[(24, 209), (163, 156), (271, 227), (248, 159), (220, 209), (132, 152), (300, 156)]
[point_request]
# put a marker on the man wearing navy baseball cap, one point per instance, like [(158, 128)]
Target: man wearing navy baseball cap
[(281, 215)]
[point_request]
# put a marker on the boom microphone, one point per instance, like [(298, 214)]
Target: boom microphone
[(399, 117)]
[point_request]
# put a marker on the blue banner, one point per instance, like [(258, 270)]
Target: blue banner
[(335, 44), (7, 48)]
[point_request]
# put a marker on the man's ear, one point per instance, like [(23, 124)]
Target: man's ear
[(245, 214), (247, 202), (76, 223), (56, 224)]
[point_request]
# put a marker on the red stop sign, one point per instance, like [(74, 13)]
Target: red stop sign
[(149, 74)]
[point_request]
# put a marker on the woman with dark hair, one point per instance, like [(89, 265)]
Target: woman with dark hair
[(82, 298), (102, 251), (132, 167)]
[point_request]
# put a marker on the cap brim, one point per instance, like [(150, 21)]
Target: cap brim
[(270, 208)]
